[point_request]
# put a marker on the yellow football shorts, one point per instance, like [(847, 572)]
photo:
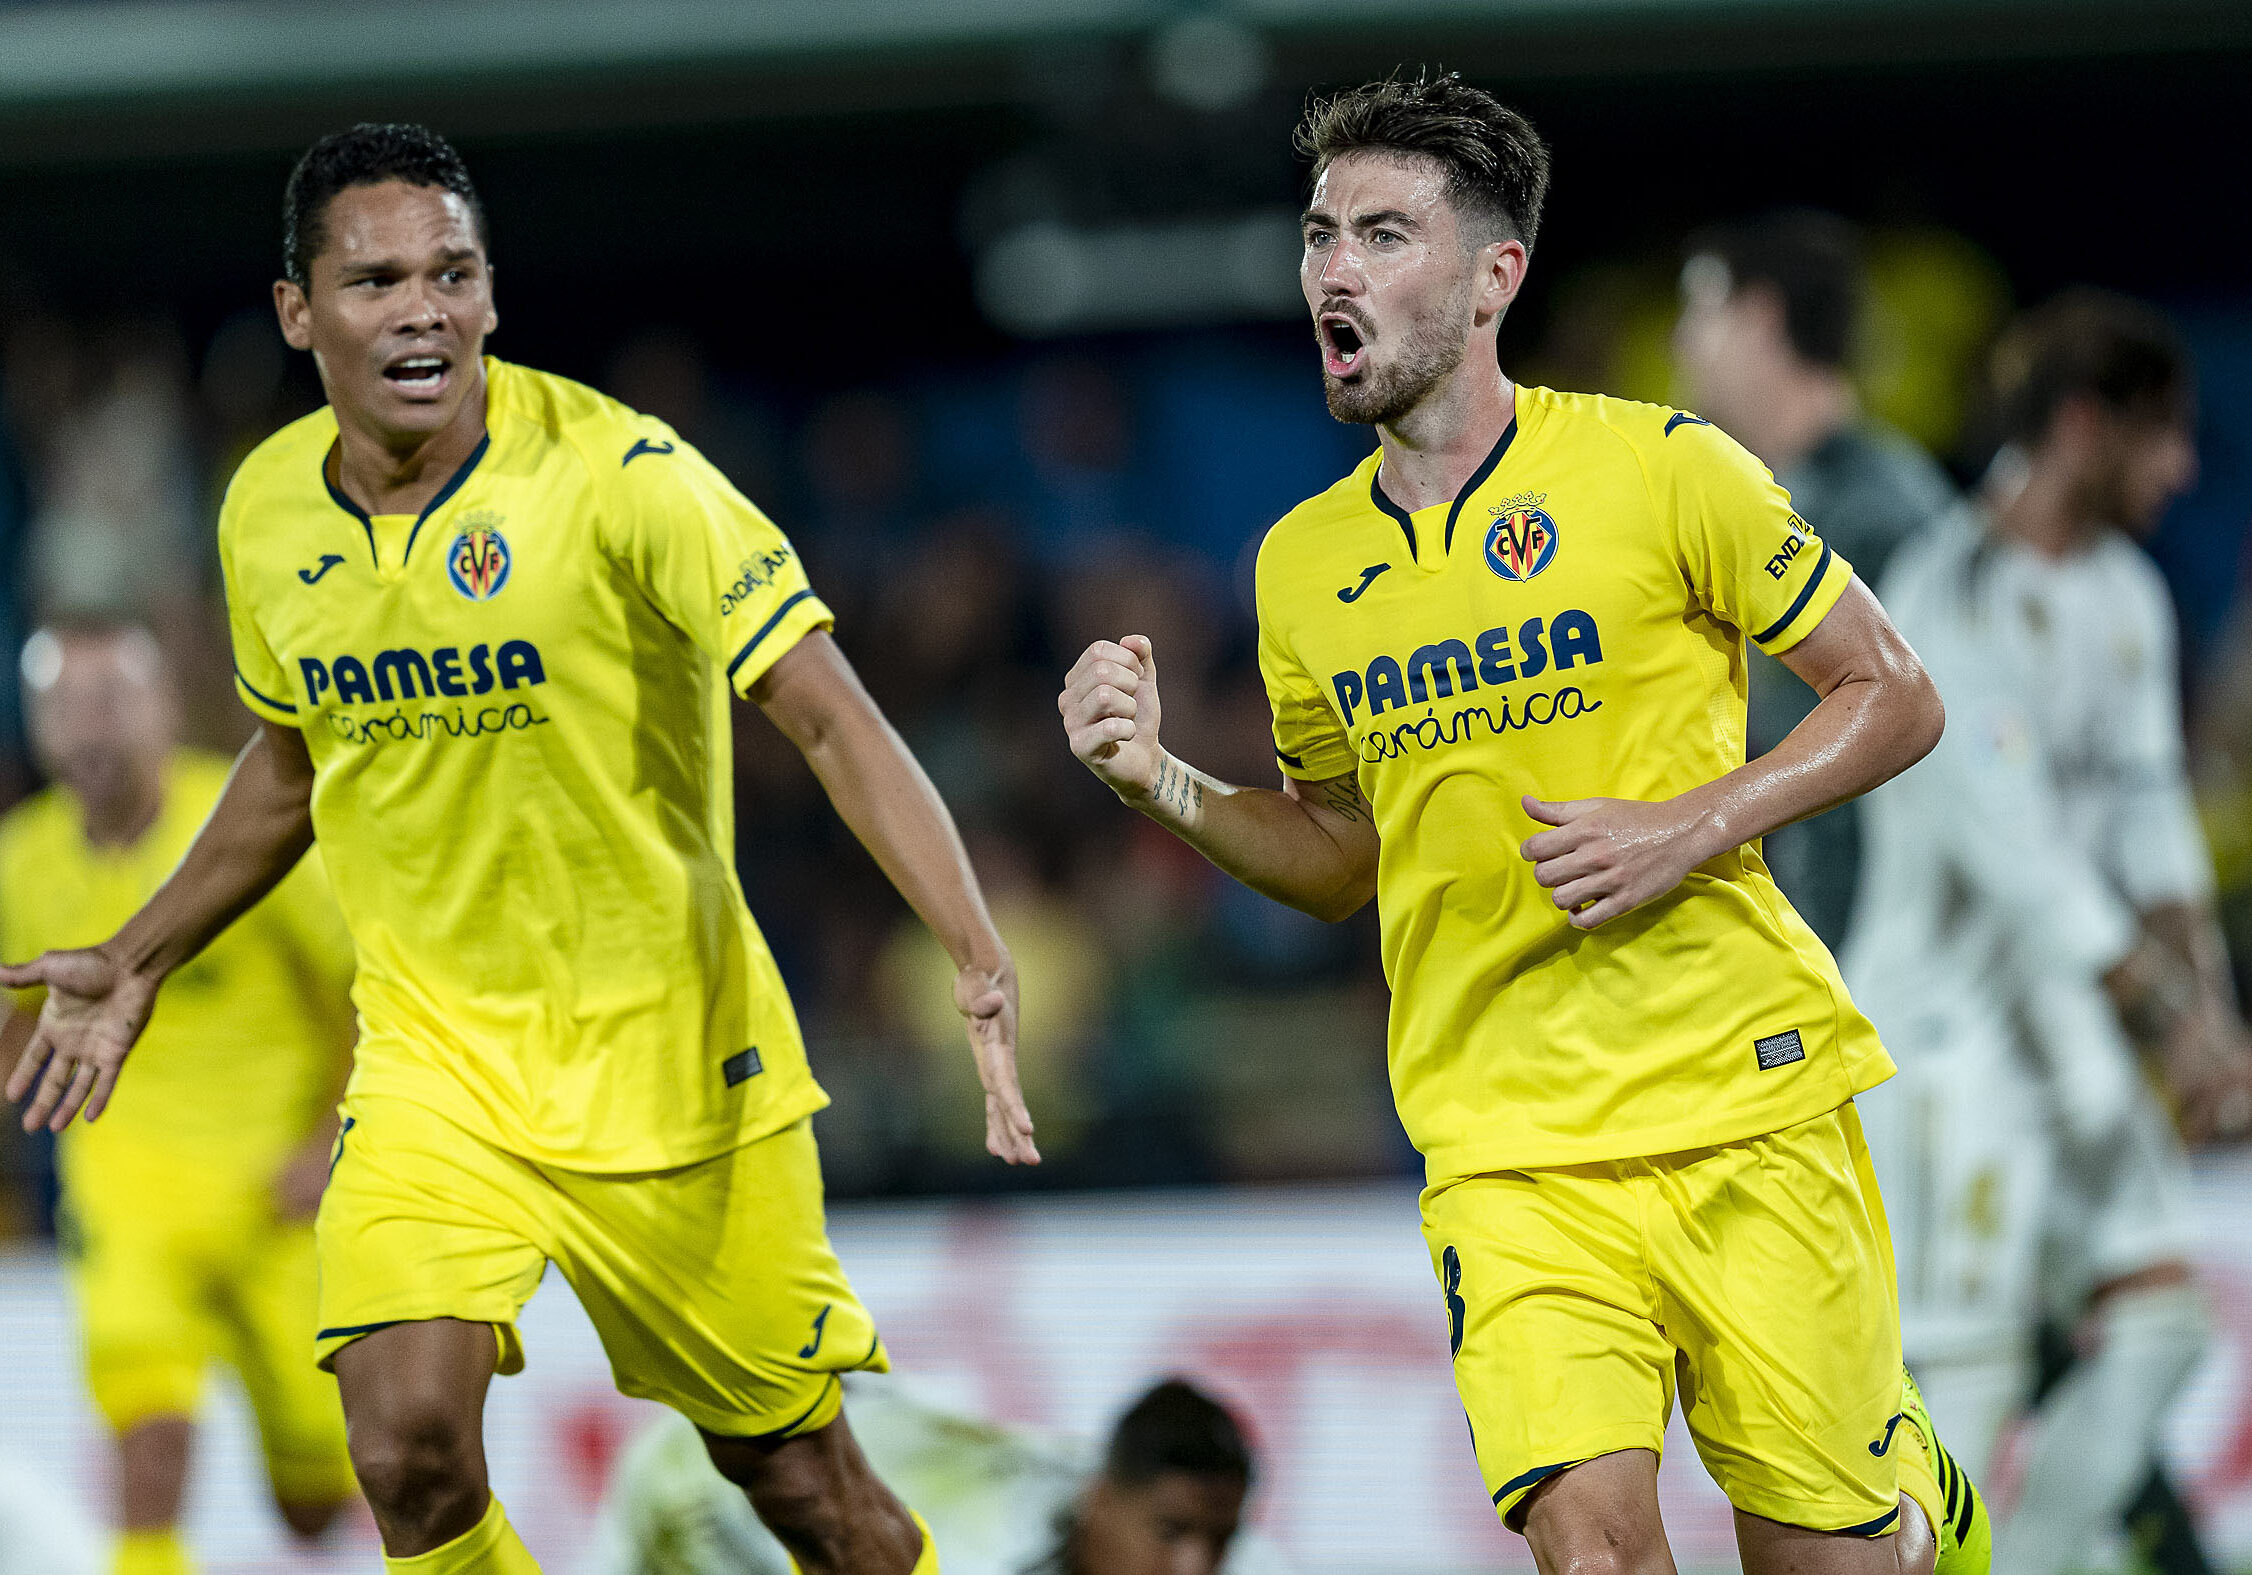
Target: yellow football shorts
[(713, 1286), (175, 1265), (1756, 1275)]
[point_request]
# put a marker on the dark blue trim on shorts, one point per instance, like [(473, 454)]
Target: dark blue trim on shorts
[(1532, 1478), (1873, 1528), (765, 629), (352, 1329), (1805, 595)]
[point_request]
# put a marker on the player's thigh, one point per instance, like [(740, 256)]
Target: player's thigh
[(423, 1221), (268, 1316), (1601, 1514), (2122, 1210), (132, 1260), (715, 1290), (1777, 1282), (1962, 1148), (1558, 1355)]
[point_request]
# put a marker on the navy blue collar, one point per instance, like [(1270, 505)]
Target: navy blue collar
[(1477, 479), (452, 486)]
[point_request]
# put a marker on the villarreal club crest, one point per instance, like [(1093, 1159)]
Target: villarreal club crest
[(477, 562), (1522, 539)]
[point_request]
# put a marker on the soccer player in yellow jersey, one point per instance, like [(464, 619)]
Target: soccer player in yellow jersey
[(186, 1219), (490, 620), (1506, 662)]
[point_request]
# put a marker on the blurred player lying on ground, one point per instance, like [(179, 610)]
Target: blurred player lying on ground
[(186, 1216), (1164, 1497), (2038, 910), (489, 620), (1771, 312), (1505, 659)]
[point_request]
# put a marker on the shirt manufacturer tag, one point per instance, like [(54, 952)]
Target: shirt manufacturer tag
[(744, 1065), (1779, 1050)]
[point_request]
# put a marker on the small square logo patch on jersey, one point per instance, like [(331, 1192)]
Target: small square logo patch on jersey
[(1779, 1050), (742, 1066)]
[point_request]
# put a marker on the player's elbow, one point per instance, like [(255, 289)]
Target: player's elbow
[(1335, 907), (1926, 717)]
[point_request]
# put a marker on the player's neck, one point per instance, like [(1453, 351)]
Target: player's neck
[(399, 473), (2041, 506), (1812, 406), (122, 819), (1432, 452)]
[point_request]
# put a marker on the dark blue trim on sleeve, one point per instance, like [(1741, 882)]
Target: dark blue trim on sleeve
[(263, 699), (1805, 595), (1289, 759), (764, 630), (357, 1329)]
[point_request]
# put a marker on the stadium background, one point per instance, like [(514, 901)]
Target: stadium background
[(992, 304)]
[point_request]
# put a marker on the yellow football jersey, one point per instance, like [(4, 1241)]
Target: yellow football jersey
[(247, 1037), (517, 710), (1571, 626)]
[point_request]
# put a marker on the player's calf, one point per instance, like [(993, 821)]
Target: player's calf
[(823, 1501)]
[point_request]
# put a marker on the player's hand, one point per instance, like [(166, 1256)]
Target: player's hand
[(96, 1007), (2207, 1061), (987, 999), (1608, 856), (1110, 711)]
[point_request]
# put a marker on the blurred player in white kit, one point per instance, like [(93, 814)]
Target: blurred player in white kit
[(2034, 936), (1164, 1496)]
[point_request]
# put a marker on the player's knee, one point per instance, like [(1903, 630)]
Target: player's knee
[(417, 1462), (308, 1522)]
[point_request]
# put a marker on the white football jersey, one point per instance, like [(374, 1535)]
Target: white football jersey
[(996, 1499), (2005, 872)]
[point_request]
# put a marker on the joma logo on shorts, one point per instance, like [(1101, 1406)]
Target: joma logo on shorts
[(408, 674)]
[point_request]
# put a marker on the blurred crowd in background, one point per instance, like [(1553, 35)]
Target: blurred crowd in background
[(973, 526)]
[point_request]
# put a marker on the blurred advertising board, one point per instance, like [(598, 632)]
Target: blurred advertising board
[(1313, 1309)]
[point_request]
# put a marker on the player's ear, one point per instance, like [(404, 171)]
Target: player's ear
[(492, 309), (1502, 266), (295, 314)]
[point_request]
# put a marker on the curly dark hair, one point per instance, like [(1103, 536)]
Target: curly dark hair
[(363, 156), (1496, 164)]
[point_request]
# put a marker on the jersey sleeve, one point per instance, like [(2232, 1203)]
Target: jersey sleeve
[(709, 559), (2158, 849), (1311, 744), (1750, 559), (259, 677)]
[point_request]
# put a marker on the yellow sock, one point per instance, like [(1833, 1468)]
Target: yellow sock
[(928, 1563), (490, 1547), (158, 1552)]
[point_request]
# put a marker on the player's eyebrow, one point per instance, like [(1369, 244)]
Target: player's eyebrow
[(1393, 217), (1321, 216)]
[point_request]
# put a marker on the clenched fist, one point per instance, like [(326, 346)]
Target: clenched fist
[(1110, 710)]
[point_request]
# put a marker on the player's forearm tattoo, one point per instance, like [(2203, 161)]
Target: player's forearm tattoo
[(1343, 797), (1178, 789)]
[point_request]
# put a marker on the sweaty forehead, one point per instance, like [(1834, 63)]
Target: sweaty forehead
[(392, 217), (1375, 179)]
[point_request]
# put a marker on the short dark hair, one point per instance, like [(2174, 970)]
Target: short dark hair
[(1176, 1427), (365, 155), (2087, 344), (1812, 261), (1496, 164)]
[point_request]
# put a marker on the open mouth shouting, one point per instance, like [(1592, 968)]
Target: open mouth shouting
[(1344, 345), (421, 375)]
